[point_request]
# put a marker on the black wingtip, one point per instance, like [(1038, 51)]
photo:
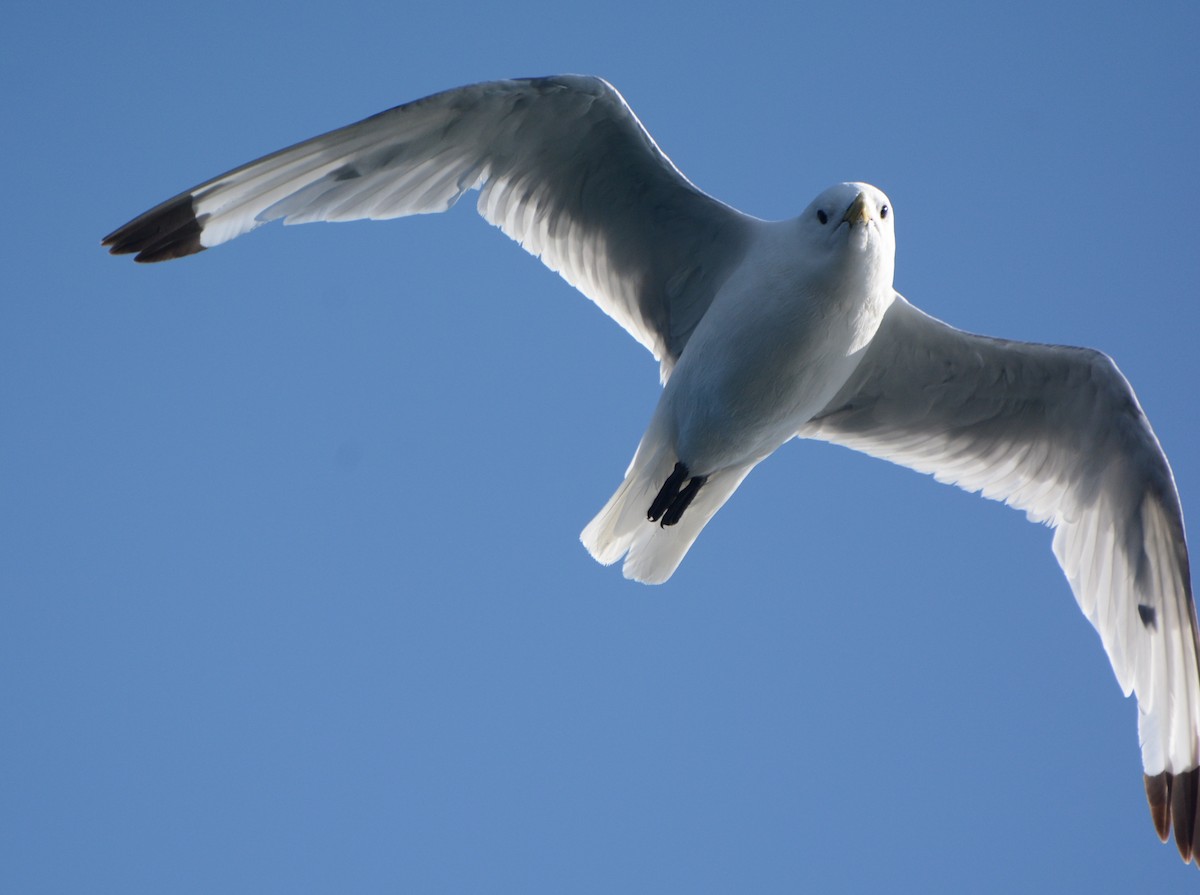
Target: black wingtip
[(170, 230), (1175, 802), (1184, 802), (1158, 794)]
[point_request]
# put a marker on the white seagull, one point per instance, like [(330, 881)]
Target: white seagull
[(767, 331)]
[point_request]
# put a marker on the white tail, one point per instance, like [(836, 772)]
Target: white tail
[(653, 552)]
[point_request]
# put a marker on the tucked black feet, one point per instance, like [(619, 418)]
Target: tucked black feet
[(683, 500), (674, 497), (668, 492)]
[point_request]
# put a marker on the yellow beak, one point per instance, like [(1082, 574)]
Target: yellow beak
[(859, 210)]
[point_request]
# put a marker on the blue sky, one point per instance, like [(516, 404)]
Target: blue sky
[(247, 644)]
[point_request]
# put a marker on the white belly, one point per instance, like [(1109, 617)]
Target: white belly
[(747, 381)]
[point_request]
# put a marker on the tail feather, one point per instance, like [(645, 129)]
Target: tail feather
[(653, 552), (610, 534)]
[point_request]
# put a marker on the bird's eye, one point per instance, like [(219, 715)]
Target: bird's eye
[(822, 216), (883, 212)]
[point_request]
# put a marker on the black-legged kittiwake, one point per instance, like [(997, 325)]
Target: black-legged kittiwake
[(767, 331)]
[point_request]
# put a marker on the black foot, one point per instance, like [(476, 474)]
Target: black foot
[(668, 492), (672, 499)]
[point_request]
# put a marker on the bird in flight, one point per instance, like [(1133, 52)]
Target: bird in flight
[(764, 332)]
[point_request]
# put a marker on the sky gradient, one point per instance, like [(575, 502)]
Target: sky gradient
[(291, 594)]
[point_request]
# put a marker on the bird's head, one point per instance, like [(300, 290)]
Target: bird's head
[(852, 224)]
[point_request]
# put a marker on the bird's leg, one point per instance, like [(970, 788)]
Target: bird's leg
[(682, 500), (668, 492), (675, 496)]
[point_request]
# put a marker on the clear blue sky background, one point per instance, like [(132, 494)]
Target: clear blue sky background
[(292, 597)]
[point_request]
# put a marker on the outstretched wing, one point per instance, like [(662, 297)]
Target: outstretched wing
[(563, 165), (1058, 433)]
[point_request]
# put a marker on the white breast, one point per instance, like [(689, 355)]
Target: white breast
[(777, 344)]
